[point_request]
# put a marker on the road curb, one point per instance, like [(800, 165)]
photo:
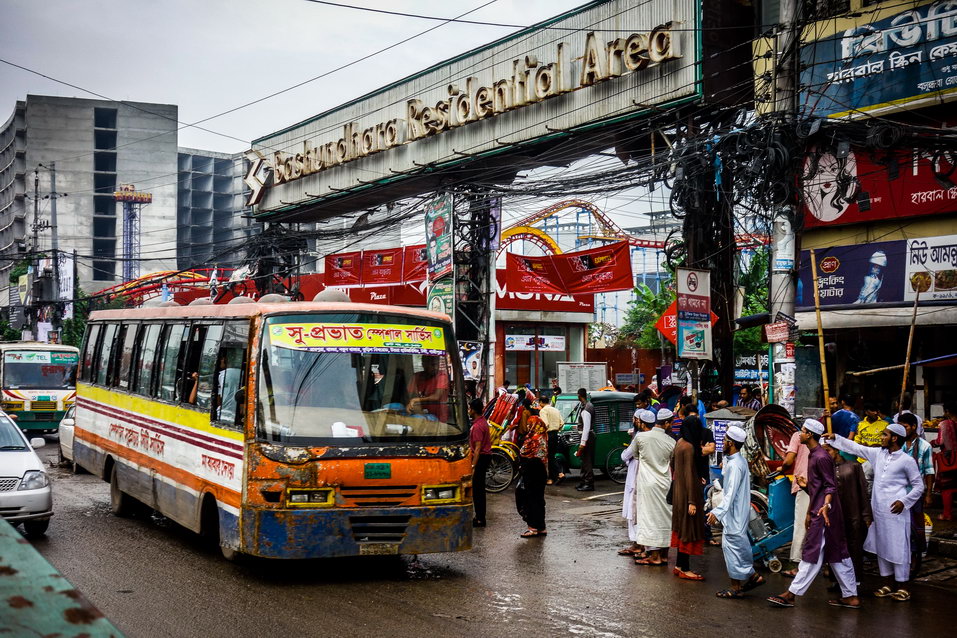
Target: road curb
[(943, 547)]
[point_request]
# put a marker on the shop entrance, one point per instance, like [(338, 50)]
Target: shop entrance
[(532, 353)]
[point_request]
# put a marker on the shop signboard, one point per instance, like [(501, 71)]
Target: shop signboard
[(505, 299), (415, 264), (694, 313), (438, 236), (344, 269), (547, 343), (626, 378), (903, 61), (382, 266), (603, 269), (866, 186), (931, 268)]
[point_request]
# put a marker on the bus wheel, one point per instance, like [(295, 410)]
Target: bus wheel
[(615, 468), (121, 503), (209, 529), (501, 472)]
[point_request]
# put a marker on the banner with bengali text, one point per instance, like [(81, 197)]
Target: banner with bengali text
[(358, 338), (603, 269)]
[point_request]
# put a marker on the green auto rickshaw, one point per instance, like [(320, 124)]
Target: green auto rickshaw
[(613, 420)]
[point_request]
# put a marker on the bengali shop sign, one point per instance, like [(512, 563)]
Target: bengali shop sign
[(358, 338), (904, 61), (344, 269), (604, 269), (694, 313)]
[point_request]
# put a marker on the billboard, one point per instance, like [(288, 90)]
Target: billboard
[(903, 61), (882, 273), (694, 313), (865, 186), (603, 269), (438, 236)]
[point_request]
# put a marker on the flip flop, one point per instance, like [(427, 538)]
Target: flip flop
[(647, 561), (531, 533), (841, 603), (754, 582), (729, 593), (901, 595), (777, 601), (687, 575), (791, 573), (628, 552), (883, 592)]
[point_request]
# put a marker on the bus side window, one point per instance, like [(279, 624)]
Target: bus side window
[(145, 359), (89, 348), (188, 378), (230, 395), (104, 351), (128, 341), (172, 347), (207, 366)]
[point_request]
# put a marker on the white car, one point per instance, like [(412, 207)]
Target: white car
[(66, 437), (25, 494)]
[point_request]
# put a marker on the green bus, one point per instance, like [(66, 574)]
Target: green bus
[(38, 383)]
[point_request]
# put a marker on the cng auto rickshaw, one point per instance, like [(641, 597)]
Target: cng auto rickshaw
[(613, 419)]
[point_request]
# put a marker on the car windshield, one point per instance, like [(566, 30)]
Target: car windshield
[(10, 437), (38, 370), (347, 380)]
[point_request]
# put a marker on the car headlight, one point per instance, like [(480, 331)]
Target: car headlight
[(440, 493), (34, 480), (322, 497)]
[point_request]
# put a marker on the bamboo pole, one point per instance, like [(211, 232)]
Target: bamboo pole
[(820, 341), (910, 343)]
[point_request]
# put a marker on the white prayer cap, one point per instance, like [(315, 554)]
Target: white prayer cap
[(897, 429), (814, 426), (647, 416), (736, 434), (664, 414)]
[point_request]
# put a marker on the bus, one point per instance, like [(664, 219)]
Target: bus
[(38, 383), (281, 430)]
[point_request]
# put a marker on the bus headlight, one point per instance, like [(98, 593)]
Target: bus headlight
[(440, 494), (321, 497)]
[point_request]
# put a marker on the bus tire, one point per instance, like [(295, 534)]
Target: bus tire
[(209, 528), (121, 503)]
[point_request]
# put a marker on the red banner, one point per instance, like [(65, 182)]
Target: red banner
[(604, 269), (382, 266), (414, 264), (557, 302), (867, 186), (344, 269)]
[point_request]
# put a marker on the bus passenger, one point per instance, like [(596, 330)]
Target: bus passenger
[(429, 389)]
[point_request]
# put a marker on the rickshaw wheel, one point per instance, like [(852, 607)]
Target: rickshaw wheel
[(501, 472), (775, 565), (615, 468)]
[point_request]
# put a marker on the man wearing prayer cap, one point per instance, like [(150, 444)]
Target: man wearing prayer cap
[(733, 513), (643, 420), (653, 449), (897, 486), (824, 522)]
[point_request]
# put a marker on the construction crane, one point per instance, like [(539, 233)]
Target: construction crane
[(133, 202)]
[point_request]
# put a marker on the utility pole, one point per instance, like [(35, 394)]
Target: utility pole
[(34, 309), (783, 239), (57, 306)]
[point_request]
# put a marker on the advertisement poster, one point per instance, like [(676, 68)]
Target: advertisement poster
[(471, 354), (438, 236), (694, 313), (667, 323), (382, 266), (344, 269), (547, 343), (604, 269), (415, 263), (441, 297), (904, 61), (931, 268), (868, 185), (859, 274), (66, 267)]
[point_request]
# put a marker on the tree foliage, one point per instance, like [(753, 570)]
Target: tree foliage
[(642, 313), (754, 280)]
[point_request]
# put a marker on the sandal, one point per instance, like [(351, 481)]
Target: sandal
[(884, 592), (648, 561), (531, 533), (840, 603), (754, 582), (730, 593), (549, 482), (791, 573), (901, 595), (629, 551), (687, 575), (558, 481), (777, 601)]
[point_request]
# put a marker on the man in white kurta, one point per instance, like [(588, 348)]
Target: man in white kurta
[(897, 486), (643, 420), (653, 449), (733, 513)]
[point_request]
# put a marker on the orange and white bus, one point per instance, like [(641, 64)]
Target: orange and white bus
[(284, 430)]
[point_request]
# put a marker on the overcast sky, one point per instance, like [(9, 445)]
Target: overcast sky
[(209, 56)]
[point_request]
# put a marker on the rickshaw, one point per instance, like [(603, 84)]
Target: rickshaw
[(613, 420)]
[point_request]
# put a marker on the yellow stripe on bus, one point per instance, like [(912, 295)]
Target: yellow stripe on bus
[(185, 417)]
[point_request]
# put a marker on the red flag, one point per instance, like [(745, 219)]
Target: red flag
[(603, 269), (382, 266), (414, 264), (344, 269)]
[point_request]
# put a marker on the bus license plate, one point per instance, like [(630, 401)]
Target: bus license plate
[(378, 549), (378, 470)]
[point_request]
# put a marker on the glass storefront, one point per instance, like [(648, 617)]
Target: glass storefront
[(532, 352)]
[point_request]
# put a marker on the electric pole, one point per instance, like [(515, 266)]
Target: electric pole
[(57, 306)]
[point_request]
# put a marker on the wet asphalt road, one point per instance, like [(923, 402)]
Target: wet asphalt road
[(152, 578)]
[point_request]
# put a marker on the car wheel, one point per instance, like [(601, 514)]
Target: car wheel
[(121, 503), (36, 527)]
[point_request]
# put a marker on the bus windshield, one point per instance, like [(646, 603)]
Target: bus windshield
[(342, 380), (38, 370)]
